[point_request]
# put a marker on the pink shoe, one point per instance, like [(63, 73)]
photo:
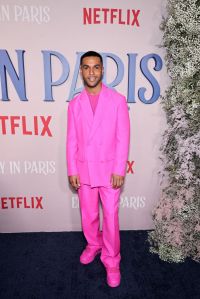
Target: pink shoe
[(113, 277), (88, 255)]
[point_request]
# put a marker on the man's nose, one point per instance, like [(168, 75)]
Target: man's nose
[(91, 71)]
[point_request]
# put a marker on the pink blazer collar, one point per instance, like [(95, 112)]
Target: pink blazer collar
[(94, 120)]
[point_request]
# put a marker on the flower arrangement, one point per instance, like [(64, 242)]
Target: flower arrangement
[(177, 215)]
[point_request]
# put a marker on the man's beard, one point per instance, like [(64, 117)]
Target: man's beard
[(92, 86)]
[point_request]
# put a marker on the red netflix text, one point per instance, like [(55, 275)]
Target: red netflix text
[(130, 167), (111, 16), (33, 202), (35, 125)]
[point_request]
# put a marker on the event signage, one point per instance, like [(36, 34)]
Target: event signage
[(18, 77)]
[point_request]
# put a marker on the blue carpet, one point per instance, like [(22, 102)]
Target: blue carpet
[(46, 265)]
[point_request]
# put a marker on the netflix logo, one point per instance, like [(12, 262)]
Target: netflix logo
[(130, 167), (34, 202), (111, 16), (36, 125)]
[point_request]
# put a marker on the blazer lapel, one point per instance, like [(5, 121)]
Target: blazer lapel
[(86, 108), (94, 120)]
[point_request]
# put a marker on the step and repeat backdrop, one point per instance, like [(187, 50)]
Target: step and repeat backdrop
[(41, 44)]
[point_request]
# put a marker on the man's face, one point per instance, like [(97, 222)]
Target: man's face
[(91, 71)]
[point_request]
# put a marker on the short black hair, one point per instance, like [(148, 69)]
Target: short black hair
[(89, 54)]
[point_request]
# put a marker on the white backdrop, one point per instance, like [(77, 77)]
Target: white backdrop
[(34, 190)]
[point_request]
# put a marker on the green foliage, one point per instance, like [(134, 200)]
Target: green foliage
[(177, 214)]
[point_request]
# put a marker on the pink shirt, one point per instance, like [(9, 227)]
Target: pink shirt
[(93, 100)]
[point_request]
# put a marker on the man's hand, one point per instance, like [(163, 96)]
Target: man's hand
[(74, 181), (117, 180)]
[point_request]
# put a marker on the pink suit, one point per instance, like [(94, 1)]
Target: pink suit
[(97, 146)]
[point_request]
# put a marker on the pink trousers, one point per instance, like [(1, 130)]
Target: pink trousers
[(108, 239)]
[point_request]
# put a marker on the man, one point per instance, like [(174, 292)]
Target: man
[(98, 136)]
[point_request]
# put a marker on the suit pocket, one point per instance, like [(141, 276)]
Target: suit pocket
[(107, 158), (80, 157)]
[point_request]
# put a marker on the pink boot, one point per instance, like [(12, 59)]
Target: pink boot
[(113, 277), (89, 254)]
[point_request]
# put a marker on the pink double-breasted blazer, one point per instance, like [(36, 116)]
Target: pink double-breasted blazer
[(98, 144)]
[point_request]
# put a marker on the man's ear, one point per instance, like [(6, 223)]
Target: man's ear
[(102, 70)]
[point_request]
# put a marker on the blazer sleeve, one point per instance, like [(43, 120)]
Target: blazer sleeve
[(71, 144), (122, 139)]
